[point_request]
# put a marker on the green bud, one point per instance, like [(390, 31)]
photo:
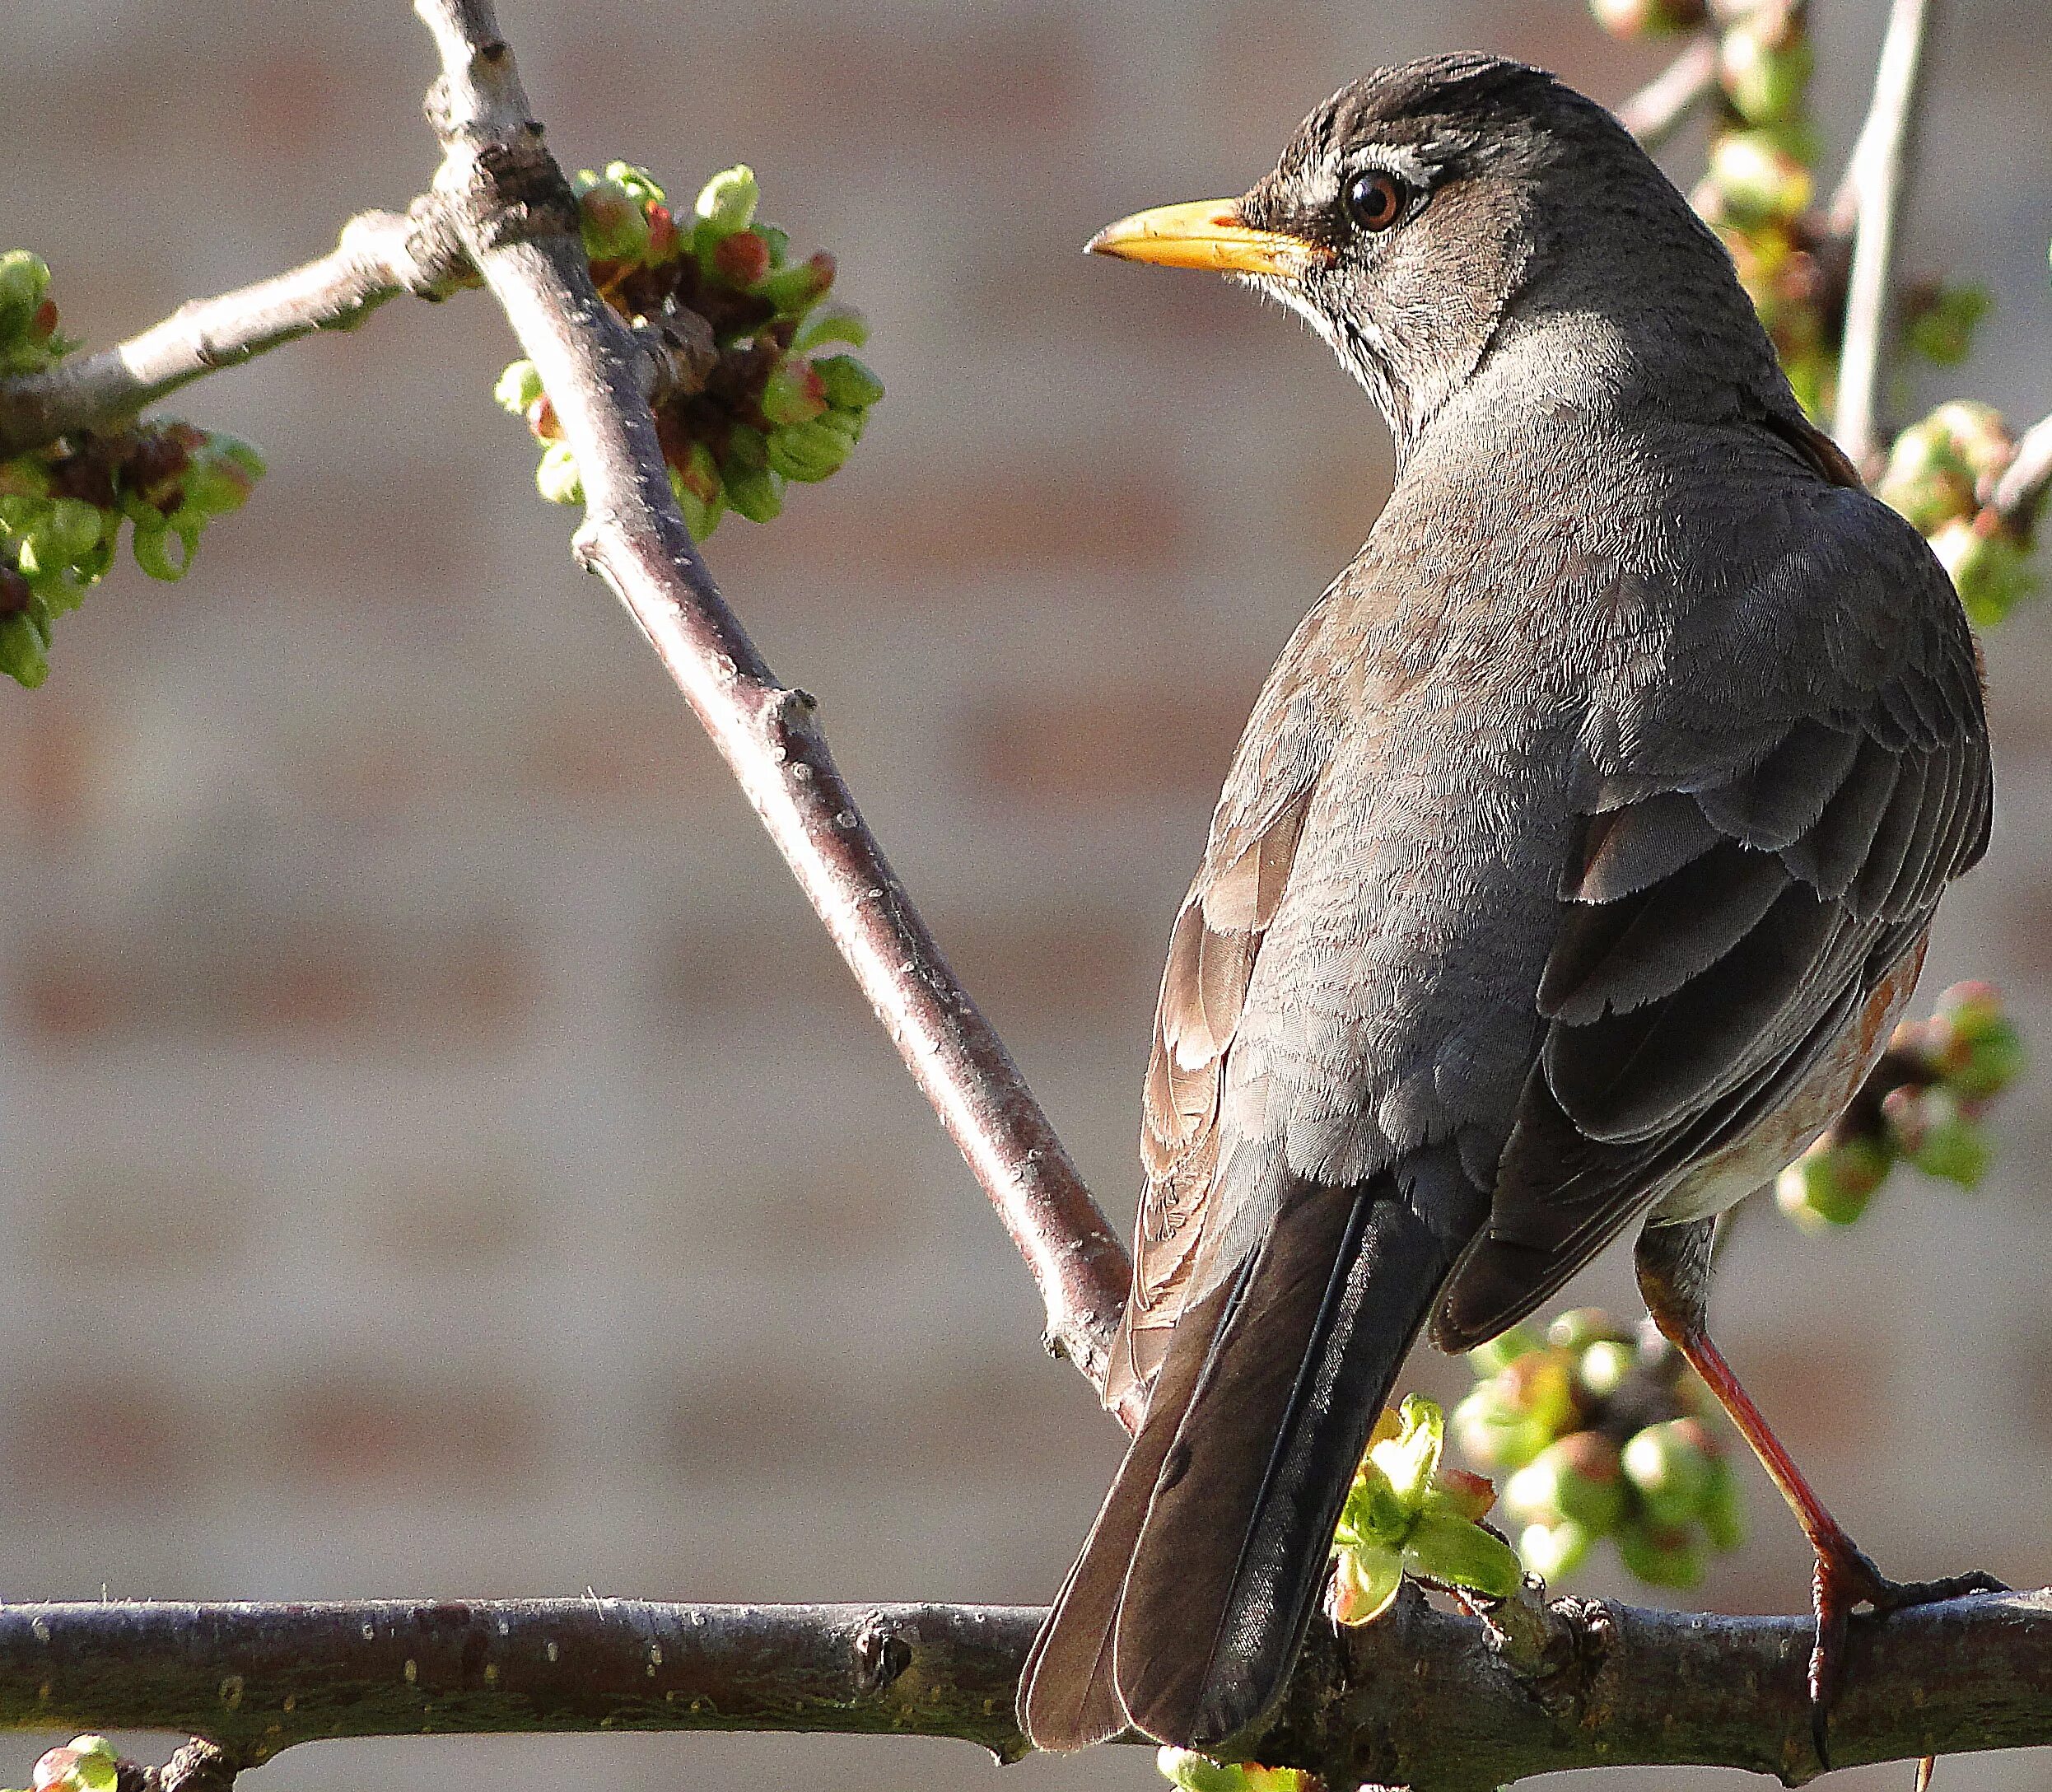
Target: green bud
[(22, 656), (1723, 1509), (1502, 1350), (807, 452), (746, 449), (755, 493), (1927, 478), (1764, 63), (637, 182), (1757, 179), (1662, 1557), (556, 478), (24, 280), (1832, 1182), (519, 386), (1977, 435), (726, 203), (71, 533), (1580, 1326), (1577, 1477), (1365, 1582), (1410, 1458), (86, 1764), (615, 226), (1554, 1551), (795, 394), (796, 289), (1669, 1464), (1445, 1548), (832, 327), (1646, 18), (1603, 1368), (151, 546), (1991, 573), (1952, 1146), (1973, 1043), (700, 512), (851, 387), (1942, 328)]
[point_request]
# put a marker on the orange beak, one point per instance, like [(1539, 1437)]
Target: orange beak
[(1207, 234)]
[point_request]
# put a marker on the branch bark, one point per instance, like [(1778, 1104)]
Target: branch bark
[(1875, 177), (380, 255), (2022, 485), (513, 212), (1424, 1698)]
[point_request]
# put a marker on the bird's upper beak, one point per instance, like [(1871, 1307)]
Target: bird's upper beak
[(1209, 233)]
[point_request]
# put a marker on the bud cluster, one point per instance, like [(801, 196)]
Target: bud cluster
[(1923, 1105), (765, 407), (1406, 1514), (84, 1764), (1192, 1772), (1942, 474), (62, 507), (1604, 1435)]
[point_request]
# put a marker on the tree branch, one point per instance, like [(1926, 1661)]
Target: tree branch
[(512, 209), (1423, 1698), (1875, 177), (2022, 485), (380, 254), (1660, 108)]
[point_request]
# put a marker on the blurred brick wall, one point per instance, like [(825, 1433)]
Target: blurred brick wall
[(442, 1155)]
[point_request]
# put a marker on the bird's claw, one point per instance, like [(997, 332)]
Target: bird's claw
[(1846, 1580)]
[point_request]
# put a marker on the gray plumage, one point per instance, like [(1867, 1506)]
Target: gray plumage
[(1574, 853)]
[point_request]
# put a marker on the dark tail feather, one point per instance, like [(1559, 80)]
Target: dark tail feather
[(1067, 1696), (1234, 1547)]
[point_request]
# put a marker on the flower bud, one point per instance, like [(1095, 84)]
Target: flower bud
[(1365, 1582), (1926, 478), (86, 1764), (1661, 1556), (795, 394), (807, 452), (1409, 1459), (700, 508), (832, 327), (1764, 63), (1469, 1495), (663, 237), (754, 492), (1978, 437), (1603, 1368), (1555, 1550), (1991, 573), (1646, 18), (1577, 1476), (796, 290), (1580, 1326), (542, 422), (850, 385), (741, 259), (519, 387), (23, 657), (726, 203), (1951, 1145), (1669, 1464), (615, 227), (1973, 1044), (1755, 178), (24, 279), (557, 478), (1500, 1352), (1832, 1182)]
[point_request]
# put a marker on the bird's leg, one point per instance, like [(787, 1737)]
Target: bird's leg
[(1674, 1265)]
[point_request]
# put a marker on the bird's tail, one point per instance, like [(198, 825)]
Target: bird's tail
[(1185, 1612)]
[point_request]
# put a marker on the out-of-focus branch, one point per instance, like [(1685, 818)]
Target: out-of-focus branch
[(1877, 173), (512, 210), (2022, 485), (1660, 108), (380, 254), (1422, 1698)]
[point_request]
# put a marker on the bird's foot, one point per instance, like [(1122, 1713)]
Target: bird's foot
[(1846, 1580)]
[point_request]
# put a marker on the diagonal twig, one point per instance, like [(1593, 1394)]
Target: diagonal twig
[(380, 254), (1876, 180), (1660, 108), (512, 210), (2022, 485)]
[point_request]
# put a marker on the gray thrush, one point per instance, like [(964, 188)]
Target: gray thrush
[(1574, 865)]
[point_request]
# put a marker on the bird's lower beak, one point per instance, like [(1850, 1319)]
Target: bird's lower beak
[(1207, 234)]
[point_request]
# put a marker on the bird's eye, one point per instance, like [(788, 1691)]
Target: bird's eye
[(1376, 201)]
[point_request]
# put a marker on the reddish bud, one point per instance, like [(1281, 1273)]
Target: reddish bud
[(542, 420), (662, 233), (742, 259)]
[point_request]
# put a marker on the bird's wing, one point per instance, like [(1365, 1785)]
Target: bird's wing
[(1719, 933), (1212, 948)]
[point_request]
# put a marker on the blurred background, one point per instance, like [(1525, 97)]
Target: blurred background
[(442, 1155)]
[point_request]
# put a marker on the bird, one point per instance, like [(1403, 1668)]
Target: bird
[(1576, 861)]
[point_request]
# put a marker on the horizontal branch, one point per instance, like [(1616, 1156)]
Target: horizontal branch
[(1423, 1698), (513, 210), (380, 255)]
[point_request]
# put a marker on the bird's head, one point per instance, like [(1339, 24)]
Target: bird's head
[(1430, 218)]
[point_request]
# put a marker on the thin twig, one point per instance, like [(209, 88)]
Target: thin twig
[(1424, 1698), (380, 255), (512, 207), (1660, 108), (2023, 482), (1879, 170)]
